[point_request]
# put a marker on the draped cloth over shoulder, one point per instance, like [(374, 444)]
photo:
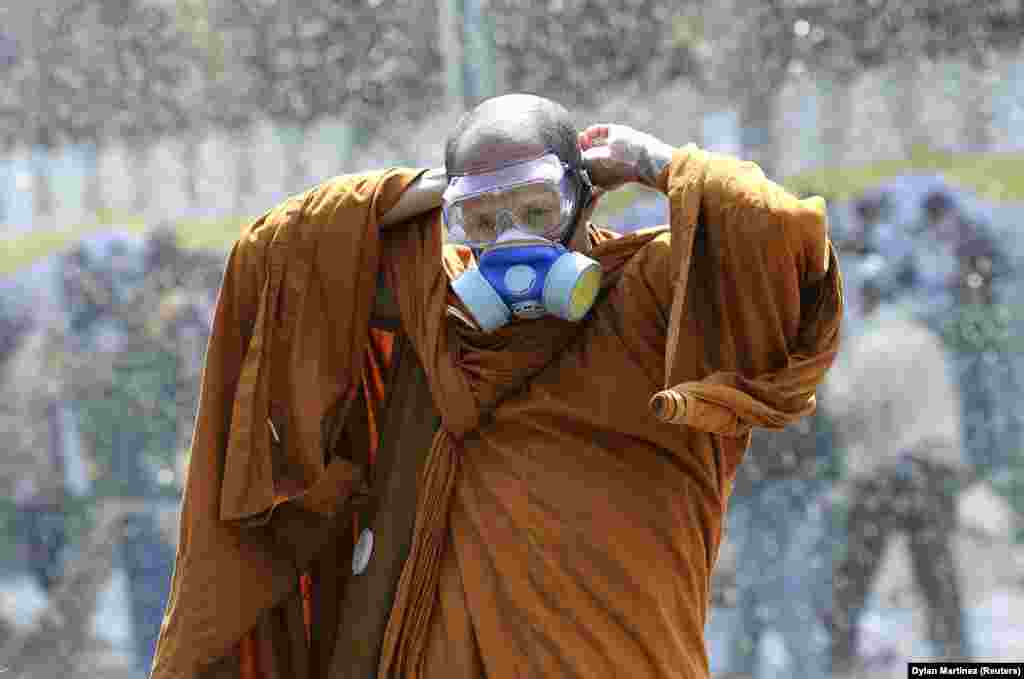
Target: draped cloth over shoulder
[(285, 362), (716, 190)]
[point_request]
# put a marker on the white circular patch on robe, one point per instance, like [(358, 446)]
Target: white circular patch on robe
[(363, 551)]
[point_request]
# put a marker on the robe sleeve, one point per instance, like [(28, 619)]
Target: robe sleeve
[(756, 297), (285, 356), (206, 613)]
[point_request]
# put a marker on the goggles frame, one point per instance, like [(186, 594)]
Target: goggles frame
[(547, 167)]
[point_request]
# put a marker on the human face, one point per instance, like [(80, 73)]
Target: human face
[(533, 208), (517, 143), (534, 197)]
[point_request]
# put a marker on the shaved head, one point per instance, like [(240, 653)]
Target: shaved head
[(517, 127), (510, 128)]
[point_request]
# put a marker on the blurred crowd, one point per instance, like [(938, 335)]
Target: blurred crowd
[(921, 404), (102, 388)]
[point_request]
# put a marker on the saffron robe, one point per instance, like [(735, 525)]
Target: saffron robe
[(578, 532)]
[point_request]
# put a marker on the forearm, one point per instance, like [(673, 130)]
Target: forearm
[(423, 195), (617, 154), (653, 159)]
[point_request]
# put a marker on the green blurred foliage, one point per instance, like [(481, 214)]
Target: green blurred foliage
[(994, 176)]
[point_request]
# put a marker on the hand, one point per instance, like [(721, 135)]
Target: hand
[(615, 155)]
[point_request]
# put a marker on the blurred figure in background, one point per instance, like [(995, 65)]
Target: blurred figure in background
[(874, 234), (976, 331), (127, 302), (870, 210), (778, 571), (32, 456), (898, 416), (934, 260), (43, 533)]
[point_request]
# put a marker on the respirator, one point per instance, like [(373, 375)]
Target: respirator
[(517, 219)]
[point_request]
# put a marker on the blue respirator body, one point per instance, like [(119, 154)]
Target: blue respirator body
[(527, 277)]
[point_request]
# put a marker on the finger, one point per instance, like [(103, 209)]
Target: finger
[(597, 153), (593, 135)]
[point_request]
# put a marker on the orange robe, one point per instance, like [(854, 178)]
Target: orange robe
[(563, 529)]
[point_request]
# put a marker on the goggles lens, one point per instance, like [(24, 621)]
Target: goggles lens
[(531, 196), (534, 208)]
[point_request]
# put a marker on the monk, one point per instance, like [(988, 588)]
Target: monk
[(596, 393)]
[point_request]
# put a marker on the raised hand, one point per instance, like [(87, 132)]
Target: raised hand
[(615, 155)]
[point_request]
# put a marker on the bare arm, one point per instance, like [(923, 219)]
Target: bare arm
[(423, 195)]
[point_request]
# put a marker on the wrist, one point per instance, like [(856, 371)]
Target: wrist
[(653, 163), (661, 182)]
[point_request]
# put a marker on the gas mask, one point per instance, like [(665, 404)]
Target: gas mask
[(518, 219)]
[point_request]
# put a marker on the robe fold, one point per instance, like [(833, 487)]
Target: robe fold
[(563, 529)]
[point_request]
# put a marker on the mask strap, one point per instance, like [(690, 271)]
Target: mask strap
[(584, 198)]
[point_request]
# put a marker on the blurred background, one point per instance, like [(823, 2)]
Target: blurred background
[(137, 138)]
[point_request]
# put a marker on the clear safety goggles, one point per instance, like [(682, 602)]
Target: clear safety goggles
[(534, 196)]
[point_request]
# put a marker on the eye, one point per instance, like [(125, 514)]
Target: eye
[(535, 214), (482, 229)]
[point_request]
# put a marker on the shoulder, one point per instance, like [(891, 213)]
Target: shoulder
[(259, 234)]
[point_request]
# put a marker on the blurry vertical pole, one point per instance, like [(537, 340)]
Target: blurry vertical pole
[(292, 138), (757, 122), (190, 159), (978, 84), (450, 31), (89, 134), (41, 135), (902, 95), (1015, 102), (761, 68), (836, 117), (92, 197), (8, 135), (229, 106), (295, 130), (480, 52), (242, 138), (42, 193), (344, 136), (195, 14), (4, 181), (1007, 114), (139, 153)]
